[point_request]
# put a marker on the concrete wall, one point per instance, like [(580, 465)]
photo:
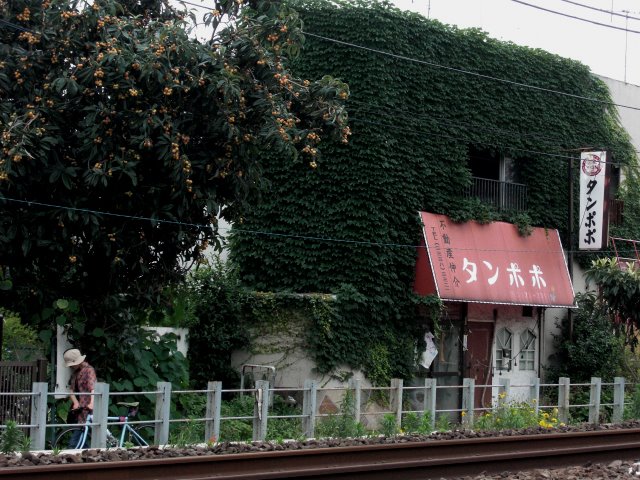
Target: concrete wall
[(626, 94)]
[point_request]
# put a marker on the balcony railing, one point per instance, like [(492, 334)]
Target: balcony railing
[(501, 195)]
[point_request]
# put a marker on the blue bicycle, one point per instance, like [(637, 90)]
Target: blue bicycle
[(128, 435)]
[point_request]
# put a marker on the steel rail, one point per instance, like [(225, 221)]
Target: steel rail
[(406, 461)]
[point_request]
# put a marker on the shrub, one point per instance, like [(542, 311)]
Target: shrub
[(343, 424)]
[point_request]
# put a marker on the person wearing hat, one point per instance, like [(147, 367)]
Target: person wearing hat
[(83, 380)]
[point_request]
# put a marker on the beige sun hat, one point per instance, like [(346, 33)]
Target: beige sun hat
[(73, 357)]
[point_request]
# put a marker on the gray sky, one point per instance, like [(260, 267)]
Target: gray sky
[(601, 48)]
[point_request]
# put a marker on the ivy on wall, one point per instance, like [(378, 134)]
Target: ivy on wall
[(352, 222), (228, 317)]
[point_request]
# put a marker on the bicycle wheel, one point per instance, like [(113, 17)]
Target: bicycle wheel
[(64, 438), (147, 434)]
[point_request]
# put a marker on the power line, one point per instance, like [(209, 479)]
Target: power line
[(505, 147), (430, 64), (610, 12), (575, 17), (437, 65), (31, 203), (17, 27), (470, 126), (448, 121), (468, 72), (373, 108)]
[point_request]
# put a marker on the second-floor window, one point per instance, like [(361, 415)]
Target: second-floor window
[(493, 181)]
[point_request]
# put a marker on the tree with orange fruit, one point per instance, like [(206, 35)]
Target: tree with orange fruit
[(123, 140)]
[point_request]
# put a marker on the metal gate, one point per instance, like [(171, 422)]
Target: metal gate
[(17, 378)]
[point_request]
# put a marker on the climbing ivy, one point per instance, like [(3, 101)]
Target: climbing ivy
[(353, 221)]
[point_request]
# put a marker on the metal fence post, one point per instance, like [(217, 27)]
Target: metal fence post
[(356, 385), (534, 395), (395, 398), (261, 410), (594, 400), (100, 413), (564, 387), (468, 400), (618, 399), (163, 413), (309, 406), (430, 385), (214, 404), (38, 433)]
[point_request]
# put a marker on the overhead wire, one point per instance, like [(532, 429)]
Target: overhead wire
[(453, 123), (375, 109), (437, 65), (17, 27), (469, 126), (538, 7), (32, 203), (458, 123), (608, 12), (387, 125), (470, 73), (423, 132)]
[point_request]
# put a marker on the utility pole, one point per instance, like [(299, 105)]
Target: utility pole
[(1, 334), (626, 41)]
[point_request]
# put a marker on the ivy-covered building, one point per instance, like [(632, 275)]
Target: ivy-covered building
[(444, 121)]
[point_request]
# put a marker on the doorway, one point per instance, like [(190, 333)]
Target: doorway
[(478, 360)]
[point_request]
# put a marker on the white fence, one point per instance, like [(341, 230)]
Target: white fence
[(401, 400)]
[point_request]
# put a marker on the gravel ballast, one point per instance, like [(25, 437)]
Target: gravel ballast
[(614, 470)]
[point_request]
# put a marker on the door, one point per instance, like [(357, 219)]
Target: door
[(478, 360)]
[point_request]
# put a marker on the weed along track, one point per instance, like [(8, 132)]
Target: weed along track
[(403, 458)]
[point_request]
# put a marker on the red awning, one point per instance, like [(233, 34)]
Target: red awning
[(492, 263)]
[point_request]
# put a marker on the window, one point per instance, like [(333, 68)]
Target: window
[(527, 350), (503, 349), (493, 180)]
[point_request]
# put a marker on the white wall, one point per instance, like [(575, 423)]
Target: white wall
[(626, 94)]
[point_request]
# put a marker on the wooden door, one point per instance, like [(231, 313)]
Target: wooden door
[(478, 360)]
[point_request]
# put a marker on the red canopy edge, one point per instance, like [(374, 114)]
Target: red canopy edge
[(492, 263)]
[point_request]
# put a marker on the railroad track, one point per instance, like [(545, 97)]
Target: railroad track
[(405, 461)]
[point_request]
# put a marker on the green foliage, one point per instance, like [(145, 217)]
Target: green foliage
[(19, 342), (13, 439), (388, 425), (242, 430), (350, 222), (237, 430), (619, 288), (596, 349), (443, 422), (343, 424), (132, 138), (515, 415), (188, 432), (582, 396), (414, 423), (124, 355), (5, 283), (632, 407), (218, 329), (228, 318), (280, 429)]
